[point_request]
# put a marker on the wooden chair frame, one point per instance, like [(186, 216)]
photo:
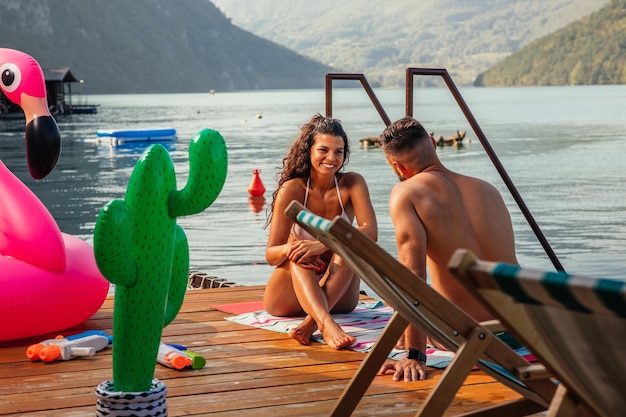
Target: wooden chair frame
[(571, 323), (414, 301)]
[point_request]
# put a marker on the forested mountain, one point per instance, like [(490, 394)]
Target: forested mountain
[(590, 51), (382, 38), (150, 46)]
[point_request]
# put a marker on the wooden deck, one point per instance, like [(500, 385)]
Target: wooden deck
[(249, 372)]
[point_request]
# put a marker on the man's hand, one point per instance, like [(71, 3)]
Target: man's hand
[(407, 369)]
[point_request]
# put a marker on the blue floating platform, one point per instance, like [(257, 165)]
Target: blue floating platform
[(163, 134)]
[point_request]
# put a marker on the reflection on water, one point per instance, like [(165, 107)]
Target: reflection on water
[(256, 204), (562, 147)]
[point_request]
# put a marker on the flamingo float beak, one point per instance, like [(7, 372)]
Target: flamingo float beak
[(43, 139), (43, 146)]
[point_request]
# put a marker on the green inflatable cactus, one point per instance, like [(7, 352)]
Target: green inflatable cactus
[(140, 248)]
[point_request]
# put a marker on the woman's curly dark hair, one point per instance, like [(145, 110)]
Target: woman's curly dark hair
[(297, 163)]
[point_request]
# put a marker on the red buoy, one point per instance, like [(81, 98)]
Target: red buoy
[(256, 189)]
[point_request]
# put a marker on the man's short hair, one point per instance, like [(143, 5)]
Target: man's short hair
[(402, 135)]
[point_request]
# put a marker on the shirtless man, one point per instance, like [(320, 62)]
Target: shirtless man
[(434, 212)]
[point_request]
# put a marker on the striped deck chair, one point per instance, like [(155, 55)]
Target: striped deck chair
[(414, 301), (575, 325)]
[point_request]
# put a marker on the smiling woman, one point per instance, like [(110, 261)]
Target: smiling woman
[(309, 278)]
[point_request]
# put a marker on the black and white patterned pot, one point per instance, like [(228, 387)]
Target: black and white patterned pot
[(116, 403)]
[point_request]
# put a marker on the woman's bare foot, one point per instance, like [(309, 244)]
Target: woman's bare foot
[(436, 344), (303, 332), (335, 337), (401, 343)]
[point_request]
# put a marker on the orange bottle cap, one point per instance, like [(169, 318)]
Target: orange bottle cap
[(50, 353), (180, 361), (32, 352)]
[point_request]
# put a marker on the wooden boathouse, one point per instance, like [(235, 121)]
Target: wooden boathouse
[(59, 94)]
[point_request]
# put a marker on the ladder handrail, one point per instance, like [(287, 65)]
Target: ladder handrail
[(360, 77), (442, 72)]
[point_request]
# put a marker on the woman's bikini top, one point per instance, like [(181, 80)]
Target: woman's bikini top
[(298, 232)]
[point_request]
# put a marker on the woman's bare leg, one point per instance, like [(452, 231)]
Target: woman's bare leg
[(280, 298), (288, 284), (341, 286), (339, 293)]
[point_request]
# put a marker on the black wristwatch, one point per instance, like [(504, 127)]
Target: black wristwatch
[(416, 354)]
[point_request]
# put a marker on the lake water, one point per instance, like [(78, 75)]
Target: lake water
[(563, 147)]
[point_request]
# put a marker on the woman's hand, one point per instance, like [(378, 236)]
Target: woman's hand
[(306, 253), (314, 263)]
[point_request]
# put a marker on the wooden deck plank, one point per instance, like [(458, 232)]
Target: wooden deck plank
[(249, 372)]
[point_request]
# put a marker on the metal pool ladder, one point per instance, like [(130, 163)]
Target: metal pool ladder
[(443, 73)]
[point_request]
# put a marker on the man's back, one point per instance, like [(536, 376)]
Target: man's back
[(434, 212), (457, 211)]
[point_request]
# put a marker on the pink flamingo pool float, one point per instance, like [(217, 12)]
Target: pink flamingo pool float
[(49, 280)]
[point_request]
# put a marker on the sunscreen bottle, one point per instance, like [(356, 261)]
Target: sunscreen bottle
[(172, 357)]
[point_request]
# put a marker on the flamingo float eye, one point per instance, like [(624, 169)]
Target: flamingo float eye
[(11, 77)]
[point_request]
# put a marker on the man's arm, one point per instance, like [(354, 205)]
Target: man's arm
[(411, 241)]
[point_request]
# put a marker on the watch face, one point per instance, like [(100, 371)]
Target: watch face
[(417, 355)]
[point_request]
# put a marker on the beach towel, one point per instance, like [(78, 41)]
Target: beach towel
[(366, 323)]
